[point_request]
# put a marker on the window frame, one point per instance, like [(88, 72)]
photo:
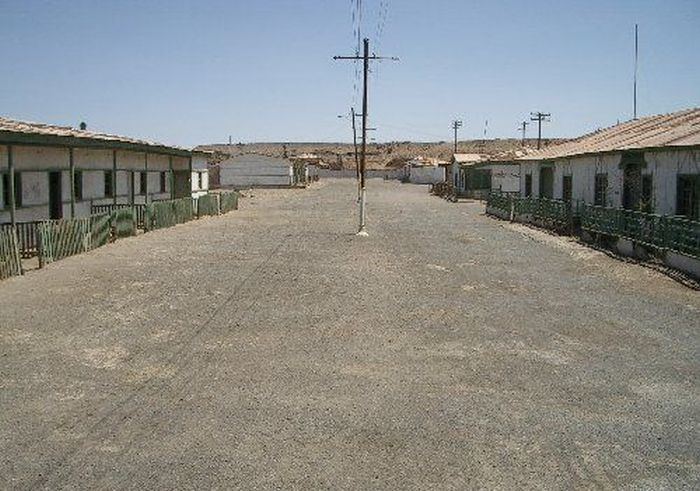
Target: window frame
[(600, 194), (78, 185)]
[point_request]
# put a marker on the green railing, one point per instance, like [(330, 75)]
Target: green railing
[(207, 204), (548, 213), (10, 262), (228, 201), (662, 232), (123, 222)]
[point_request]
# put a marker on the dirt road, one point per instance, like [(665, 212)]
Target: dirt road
[(272, 348)]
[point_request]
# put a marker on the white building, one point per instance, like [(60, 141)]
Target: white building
[(254, 170), (425, 171), (56, 171), (475, 176), (650, 164), (200, 172)]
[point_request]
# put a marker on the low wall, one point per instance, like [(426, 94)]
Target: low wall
[(351, 173)]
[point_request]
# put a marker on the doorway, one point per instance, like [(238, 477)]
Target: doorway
[(55, 196)]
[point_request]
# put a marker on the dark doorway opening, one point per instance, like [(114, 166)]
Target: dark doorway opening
[(55, 196)]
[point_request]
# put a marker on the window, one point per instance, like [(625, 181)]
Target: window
[(647, 203), (567, 188), (200, 180), (600, 189), (143, 178), (162, 182), (688, 196), (78, 185), (6, 190), (528, 185), (109, 184)]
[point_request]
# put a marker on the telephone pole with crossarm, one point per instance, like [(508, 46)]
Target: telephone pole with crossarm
[(366, 58)]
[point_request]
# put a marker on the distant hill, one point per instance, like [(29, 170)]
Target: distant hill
[(379, 155)]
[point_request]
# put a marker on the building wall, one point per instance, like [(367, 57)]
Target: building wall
[(35, 162), (504, 177), (663, 165), (426, 175), (255, 170)]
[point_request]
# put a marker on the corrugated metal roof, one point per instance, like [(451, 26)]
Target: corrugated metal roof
[(677, 129), (12, 127)]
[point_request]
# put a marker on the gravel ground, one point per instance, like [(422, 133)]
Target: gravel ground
[(272, 348)]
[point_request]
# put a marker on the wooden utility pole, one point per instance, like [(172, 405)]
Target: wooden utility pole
[(539, 117), (636, 65), (456, 124), (354, 143), (365, 59), (523, 129)]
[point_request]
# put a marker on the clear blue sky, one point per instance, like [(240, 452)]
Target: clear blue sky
[(190, 72)]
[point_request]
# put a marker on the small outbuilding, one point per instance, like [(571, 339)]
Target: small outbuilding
[(425, 171), (255, 170)]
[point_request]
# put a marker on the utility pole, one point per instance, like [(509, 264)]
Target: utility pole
[(357, 156), (539, 117), (636, 62), (365, 59), (456, 124), (523, 128)]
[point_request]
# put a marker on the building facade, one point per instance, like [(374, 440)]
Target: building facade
[(253, 170), (51, 172), (651, 164)]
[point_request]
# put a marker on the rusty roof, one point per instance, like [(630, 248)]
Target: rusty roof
[(13, 131), (678, 129)]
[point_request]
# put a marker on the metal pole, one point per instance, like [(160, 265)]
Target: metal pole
[(71, 162), (354, 142), (363, 191), (636, 60), (13, 205)]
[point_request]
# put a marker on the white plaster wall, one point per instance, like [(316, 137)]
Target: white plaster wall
[(39, 158), (255, 170), (533, 169), (665, 166), (505, 177), (426, 175), (85, 158)]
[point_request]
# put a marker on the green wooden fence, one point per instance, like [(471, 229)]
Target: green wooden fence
[(207, 204), (59, 239), (123, 221), (10, 262), (163, 214), (228, 201)]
